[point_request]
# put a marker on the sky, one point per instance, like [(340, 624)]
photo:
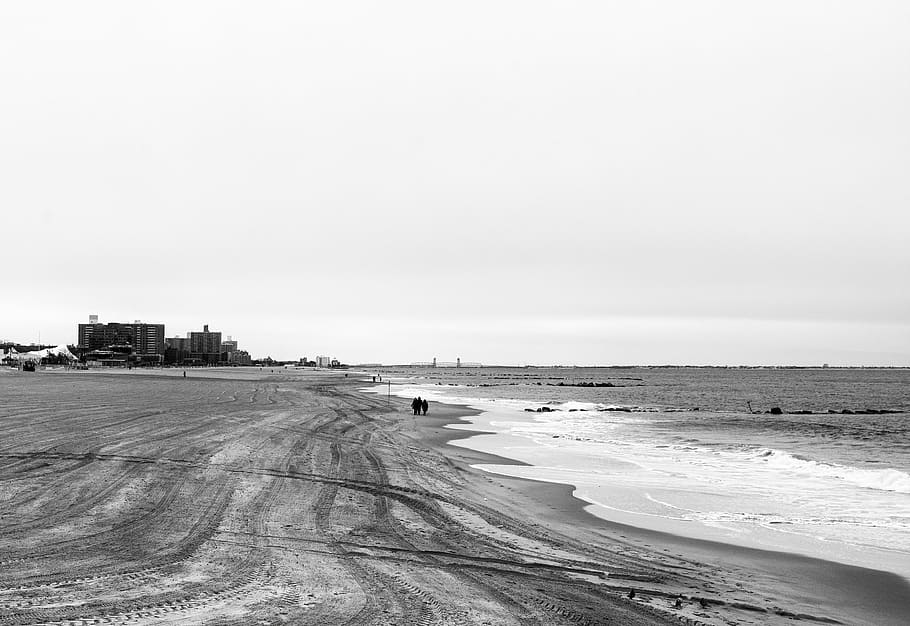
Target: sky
[(505, 182)]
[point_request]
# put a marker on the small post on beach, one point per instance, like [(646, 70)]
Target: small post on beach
[(389, 401)]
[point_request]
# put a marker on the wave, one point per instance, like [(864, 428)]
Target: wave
[(882, 479), (548, 426)]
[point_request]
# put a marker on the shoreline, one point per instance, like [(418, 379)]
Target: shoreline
[(302, 498), (824, 589), (272, 499)]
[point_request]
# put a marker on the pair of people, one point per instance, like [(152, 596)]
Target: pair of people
[(418, 405)]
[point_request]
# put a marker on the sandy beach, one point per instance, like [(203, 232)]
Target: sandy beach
[(257, 497)]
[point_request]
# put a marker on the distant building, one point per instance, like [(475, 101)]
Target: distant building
[(99, 336), (323, 361), (228, 348), (141, 343), (178, 343), (177, 350), (240, 357), (205, 345), (148, 340), (229, 345)]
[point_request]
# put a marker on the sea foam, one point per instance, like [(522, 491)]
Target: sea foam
[(884, 479)]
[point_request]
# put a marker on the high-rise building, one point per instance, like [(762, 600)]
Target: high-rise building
[(205, 345), (145, 341), (148, 338), (99, 336)]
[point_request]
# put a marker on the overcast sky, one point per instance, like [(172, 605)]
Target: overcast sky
[(505, 182)]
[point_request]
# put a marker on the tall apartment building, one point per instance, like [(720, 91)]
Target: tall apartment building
[(97, 336), (145, 340), (205, 345), (148, 338)]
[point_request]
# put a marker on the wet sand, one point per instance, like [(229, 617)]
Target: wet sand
[(241, 496)]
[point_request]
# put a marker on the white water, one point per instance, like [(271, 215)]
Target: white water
[(761, 497)]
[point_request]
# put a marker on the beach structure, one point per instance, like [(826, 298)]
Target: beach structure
[(61, 351), (9, 355), (28, 359)]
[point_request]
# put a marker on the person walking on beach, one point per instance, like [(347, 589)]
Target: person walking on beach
[(424, 405), (415, 405)]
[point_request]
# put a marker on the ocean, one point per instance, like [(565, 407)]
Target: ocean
[(697, 451)]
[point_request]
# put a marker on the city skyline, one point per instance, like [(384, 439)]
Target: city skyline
[(578, 330), (289, 354)]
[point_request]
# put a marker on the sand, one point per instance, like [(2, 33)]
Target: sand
[(244, 496)]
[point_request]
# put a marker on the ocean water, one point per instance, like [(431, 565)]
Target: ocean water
[(678, 450)]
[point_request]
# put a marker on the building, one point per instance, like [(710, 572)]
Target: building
[(148, 339), (228, 348), (239, 357), (177, 350), (201, 348), (178, 343), (97, 336), (206, 345), (323, 361), (142, 343)]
